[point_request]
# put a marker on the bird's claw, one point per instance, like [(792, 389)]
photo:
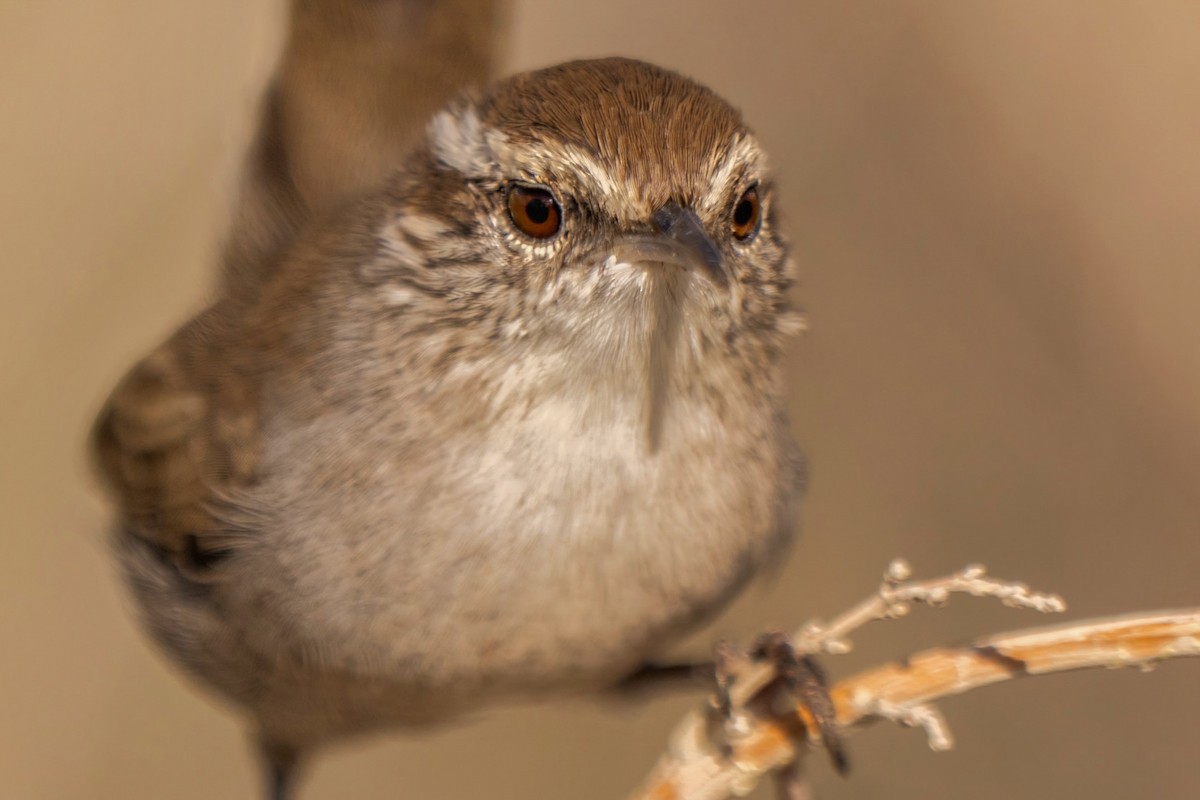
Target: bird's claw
[(804, 681)]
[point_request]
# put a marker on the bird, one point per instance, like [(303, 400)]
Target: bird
[(500, 427)]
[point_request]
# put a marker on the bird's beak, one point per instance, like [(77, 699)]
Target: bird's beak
[(680, 240)]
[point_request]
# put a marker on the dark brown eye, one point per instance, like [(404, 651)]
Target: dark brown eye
[(747, 214), (534, 211)]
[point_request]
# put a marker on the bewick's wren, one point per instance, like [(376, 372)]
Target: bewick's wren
[(501, 428)]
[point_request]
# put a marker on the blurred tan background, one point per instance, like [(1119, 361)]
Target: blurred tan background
[(996, 209)]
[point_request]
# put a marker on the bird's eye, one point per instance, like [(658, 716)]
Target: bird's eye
[(747, 214), (534, 211)]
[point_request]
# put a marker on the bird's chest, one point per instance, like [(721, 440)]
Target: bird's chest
[(552, 543), (582, 542)]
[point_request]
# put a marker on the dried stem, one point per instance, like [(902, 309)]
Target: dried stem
[(894, 598), (709, 759)]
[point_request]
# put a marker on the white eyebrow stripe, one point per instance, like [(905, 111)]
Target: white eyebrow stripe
[(460, 140), (743, 153), (618, 196), (457, 139)]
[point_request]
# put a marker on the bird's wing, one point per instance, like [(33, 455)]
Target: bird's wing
[(177, 445), (177, 441)]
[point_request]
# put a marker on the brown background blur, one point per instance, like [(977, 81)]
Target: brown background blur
[(995, 208)]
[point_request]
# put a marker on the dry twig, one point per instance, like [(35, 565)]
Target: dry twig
[(711, 758)]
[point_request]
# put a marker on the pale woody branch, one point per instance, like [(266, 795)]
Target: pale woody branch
[(894, 598), (708, 759)]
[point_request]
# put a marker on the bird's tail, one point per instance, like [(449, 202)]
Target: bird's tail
[(357, 81)]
